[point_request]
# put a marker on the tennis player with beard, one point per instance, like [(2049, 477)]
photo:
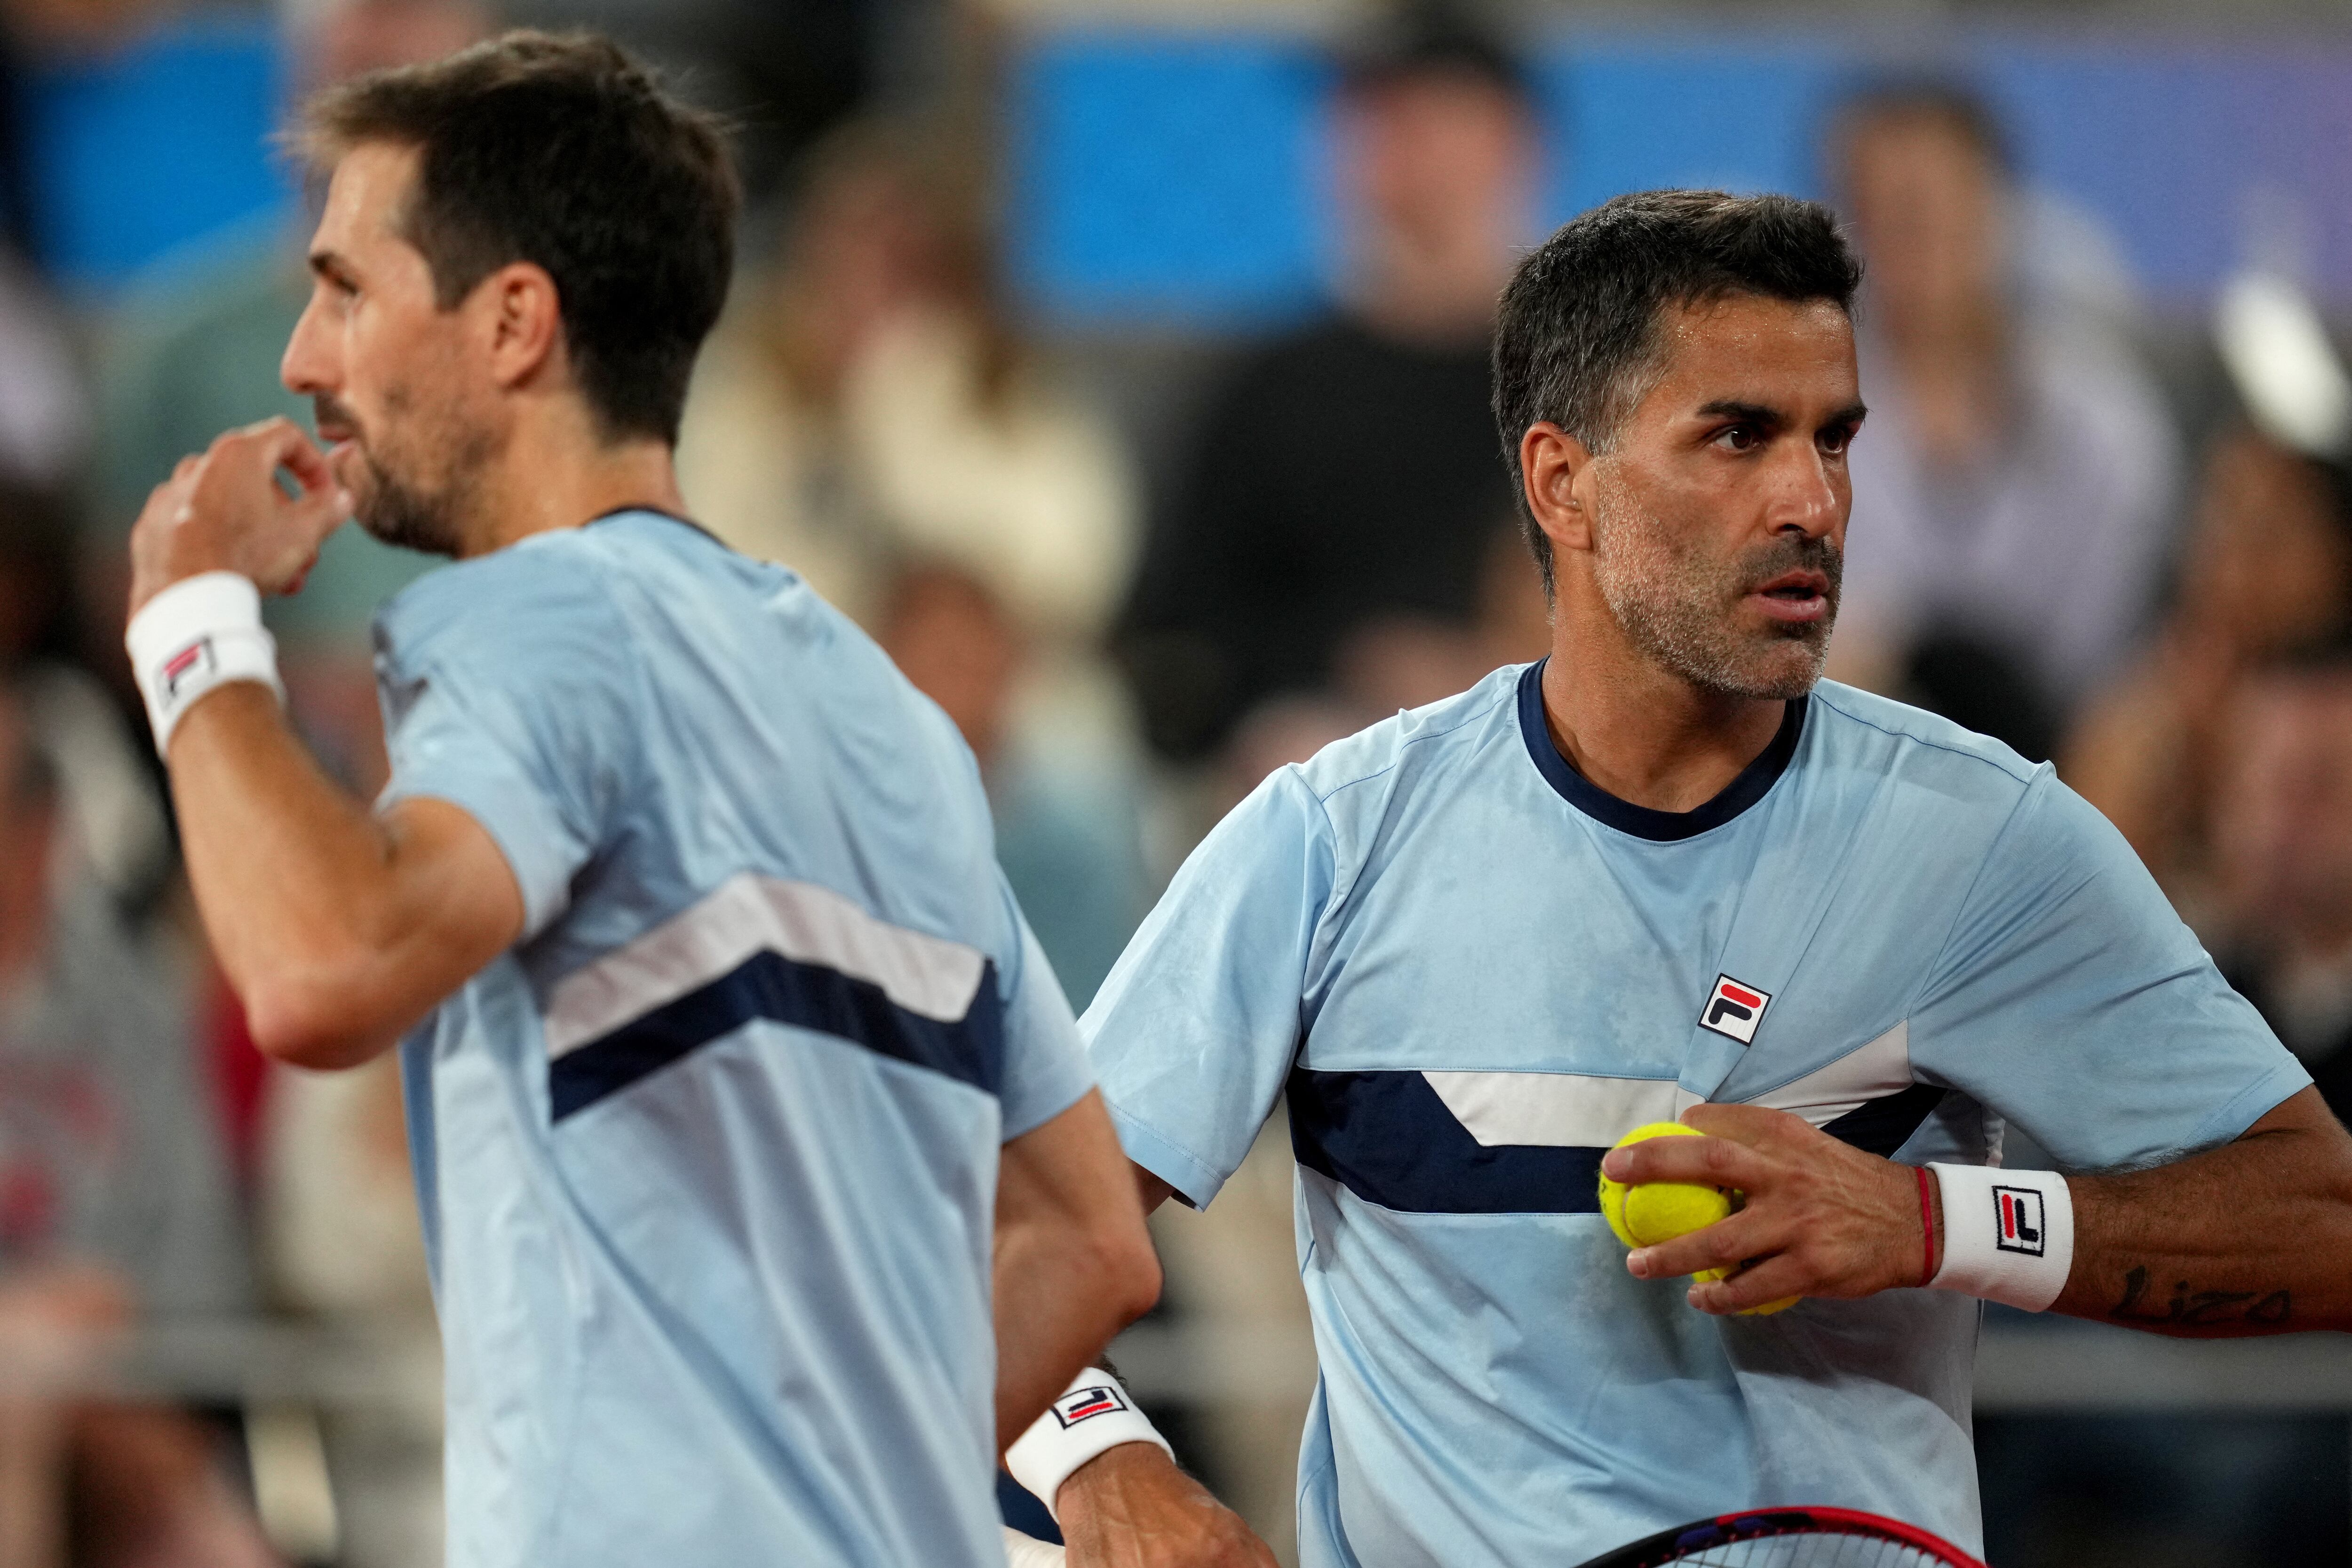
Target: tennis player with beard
[(717, 1009), (1667, 871)]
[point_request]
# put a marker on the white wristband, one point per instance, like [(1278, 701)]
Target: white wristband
[(200, 633), (1093, 1415), (2009, 1236)]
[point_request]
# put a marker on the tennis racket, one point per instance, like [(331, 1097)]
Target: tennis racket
[(1789, 1538), (1028, 1552), (1781, 1538)]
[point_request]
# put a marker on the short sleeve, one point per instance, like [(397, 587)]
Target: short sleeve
[(1194, 1032), (509, 694), (2071, 999), (1045, 1069)]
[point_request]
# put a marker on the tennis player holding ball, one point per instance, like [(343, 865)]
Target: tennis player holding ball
[(1670, 874)]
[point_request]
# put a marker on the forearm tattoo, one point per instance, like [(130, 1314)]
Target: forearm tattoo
[(2190, 1308)]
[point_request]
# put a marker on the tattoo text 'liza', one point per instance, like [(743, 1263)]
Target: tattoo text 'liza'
[(2201, 1309)]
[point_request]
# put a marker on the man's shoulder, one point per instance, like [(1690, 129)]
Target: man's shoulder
[(1854, 728), (542, 593), (1417, 743)]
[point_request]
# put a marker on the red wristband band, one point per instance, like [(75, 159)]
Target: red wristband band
[(1927, 1225)]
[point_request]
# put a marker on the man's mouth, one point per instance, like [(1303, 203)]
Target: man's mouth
[(1794, 597), (336, 429)]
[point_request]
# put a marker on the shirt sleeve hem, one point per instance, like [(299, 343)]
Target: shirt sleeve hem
[(1060, 1097), (2254, 1102), (544, 894), (1194, 1182)]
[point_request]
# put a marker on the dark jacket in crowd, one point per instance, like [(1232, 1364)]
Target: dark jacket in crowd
[(1339, 477)]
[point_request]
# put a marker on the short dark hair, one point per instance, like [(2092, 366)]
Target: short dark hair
[(1579, 322), (561, 151)]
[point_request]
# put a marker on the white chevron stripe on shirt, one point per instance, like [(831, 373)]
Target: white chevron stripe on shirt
[(1565, 1110), (1870, 1071), (746, 914), (1556, 1109)]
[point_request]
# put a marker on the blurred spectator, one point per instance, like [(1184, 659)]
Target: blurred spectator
[(2267, 567), (114, 1203), (783, 71), (198, 354), (44, 414), (113, 819), (1067, 837), (1341, 503), (868, 400), (45, 425), (79, 25), (2014, 491), (2282, 835)]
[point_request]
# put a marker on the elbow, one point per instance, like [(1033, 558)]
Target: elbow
[(307, 1024), (1129, 1270)]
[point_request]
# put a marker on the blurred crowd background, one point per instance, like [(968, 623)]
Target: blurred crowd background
[(1120, 364)]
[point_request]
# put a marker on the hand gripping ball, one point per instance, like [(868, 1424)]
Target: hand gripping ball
[(1653, 1212)]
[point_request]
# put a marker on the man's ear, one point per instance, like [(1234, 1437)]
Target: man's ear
[(1551, 464), (522, 320)]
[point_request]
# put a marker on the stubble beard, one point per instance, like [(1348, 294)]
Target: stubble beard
[(1678, 608), (395, 506), (403, 514)]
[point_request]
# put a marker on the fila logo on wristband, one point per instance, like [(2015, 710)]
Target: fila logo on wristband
[(198, 635), (1093, 1416), (1734, 1009), (2019, 1224), (1082, 1404), (196, 659), (2009, 1236)]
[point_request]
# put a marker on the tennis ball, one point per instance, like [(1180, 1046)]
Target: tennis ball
[(1652, 1211)]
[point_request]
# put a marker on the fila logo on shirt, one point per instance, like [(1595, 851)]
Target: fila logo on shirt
[(192, 660), (2018, 1223), (1086, 1404), (1734, 1009)]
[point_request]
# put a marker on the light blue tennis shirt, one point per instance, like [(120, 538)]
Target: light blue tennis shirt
[(1471, 972), (708, 1160)]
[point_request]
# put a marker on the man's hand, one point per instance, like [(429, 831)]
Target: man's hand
[(226, 511), (1131, 1507), (1819, 1218)]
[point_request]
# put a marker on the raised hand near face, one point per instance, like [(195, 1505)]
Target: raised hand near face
[(226, 511)]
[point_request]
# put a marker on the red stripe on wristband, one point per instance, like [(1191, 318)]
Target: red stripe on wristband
[(1926, 1224)]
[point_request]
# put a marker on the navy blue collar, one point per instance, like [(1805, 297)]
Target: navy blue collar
[(1641, 820)]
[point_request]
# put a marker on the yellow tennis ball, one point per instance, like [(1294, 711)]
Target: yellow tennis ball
[(1651, 1212)]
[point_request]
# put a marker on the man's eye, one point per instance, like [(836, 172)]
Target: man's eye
[(1837, 438), (1737, 438)]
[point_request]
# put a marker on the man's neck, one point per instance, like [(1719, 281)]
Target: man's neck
[(1640, 732), (536, 486)]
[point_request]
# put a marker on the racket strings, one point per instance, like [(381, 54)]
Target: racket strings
[(1812, 1551)]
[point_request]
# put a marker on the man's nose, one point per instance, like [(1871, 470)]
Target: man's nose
[(307, 366), (1809, 499)]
